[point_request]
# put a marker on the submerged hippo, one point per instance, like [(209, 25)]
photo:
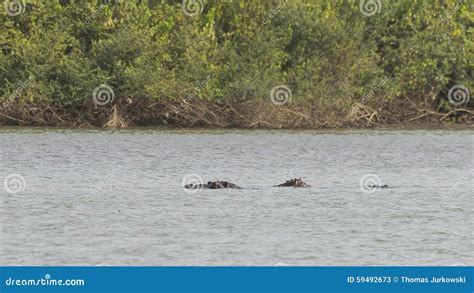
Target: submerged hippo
[(296, 182), (212, 185), (378, 186)]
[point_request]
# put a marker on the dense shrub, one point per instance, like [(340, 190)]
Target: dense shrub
[(324, 51)]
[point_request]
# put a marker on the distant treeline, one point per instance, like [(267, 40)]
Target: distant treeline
[(236, 63)]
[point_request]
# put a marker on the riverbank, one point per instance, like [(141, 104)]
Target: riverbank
[(248, 115), (236, 64)]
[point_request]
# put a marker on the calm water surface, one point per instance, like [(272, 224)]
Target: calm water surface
[(115, 198)]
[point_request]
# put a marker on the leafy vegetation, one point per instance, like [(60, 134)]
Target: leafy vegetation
[(328, 53)]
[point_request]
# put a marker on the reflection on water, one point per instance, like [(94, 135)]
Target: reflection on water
[(100, 197)]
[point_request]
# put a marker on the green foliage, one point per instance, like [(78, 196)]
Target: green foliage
[(325, 51)]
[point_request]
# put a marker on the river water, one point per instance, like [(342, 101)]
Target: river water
[(91, 197)]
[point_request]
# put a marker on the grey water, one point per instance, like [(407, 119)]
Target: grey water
[(95, 197)]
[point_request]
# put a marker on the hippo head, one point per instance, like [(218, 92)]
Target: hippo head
[(211, 184), (298, 182), (224, 184)]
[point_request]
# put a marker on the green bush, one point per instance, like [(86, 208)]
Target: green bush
[(324, 51)]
